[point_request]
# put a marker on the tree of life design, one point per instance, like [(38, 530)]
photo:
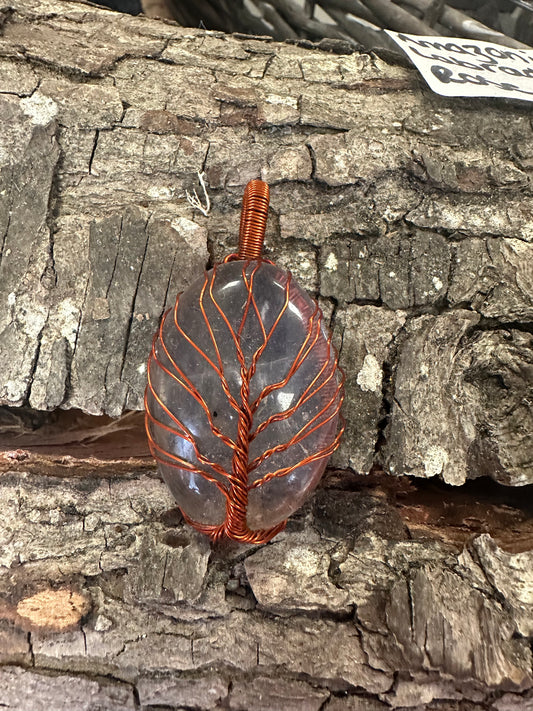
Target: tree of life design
[(256, 343)]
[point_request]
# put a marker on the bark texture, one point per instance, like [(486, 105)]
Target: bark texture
[(410, 217), (373, 598)]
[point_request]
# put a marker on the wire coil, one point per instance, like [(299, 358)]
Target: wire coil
[(253, 219)]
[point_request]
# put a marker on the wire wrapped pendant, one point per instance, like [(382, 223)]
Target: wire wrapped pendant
[(244, 392)]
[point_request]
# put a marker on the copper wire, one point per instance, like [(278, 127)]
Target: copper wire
[(235, 484), (253, 219)]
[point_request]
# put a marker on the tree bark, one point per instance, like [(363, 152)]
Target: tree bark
[(410, 217)]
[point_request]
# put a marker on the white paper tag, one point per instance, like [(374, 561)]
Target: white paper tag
[(455, 66)]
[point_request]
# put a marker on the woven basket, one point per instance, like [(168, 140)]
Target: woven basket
[(360, 22)]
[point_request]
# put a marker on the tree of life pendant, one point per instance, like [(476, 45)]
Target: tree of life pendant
[(244, 392)]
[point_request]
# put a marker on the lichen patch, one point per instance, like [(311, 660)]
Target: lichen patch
[(435, 460), (370, 376), (331, 263), (40, 108)]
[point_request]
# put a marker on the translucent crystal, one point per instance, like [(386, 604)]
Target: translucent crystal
[(253, 310)]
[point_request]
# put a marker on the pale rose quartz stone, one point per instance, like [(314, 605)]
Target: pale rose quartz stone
[(275, 500)]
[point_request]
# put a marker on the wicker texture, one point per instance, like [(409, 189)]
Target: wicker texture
[(507, 22)]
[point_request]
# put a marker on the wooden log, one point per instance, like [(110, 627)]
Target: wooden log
[(410, 217), (385, 199), (376, 594)]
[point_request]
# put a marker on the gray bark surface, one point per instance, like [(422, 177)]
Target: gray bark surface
[(366, 601), (410, 217)]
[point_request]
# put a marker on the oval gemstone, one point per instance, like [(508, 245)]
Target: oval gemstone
[(243, 397)]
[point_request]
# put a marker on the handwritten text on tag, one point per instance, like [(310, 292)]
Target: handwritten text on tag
[(460, 67)]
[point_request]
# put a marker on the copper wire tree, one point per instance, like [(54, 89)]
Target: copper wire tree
[(244, 392)]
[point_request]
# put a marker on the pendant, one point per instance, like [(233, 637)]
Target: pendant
[(244, 392)]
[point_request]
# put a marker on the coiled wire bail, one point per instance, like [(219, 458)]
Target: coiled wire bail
[(253, 219)]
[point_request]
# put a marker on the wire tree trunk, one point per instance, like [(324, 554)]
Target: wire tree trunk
[(406, 581)]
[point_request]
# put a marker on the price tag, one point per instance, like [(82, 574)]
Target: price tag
[(455, 66)]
